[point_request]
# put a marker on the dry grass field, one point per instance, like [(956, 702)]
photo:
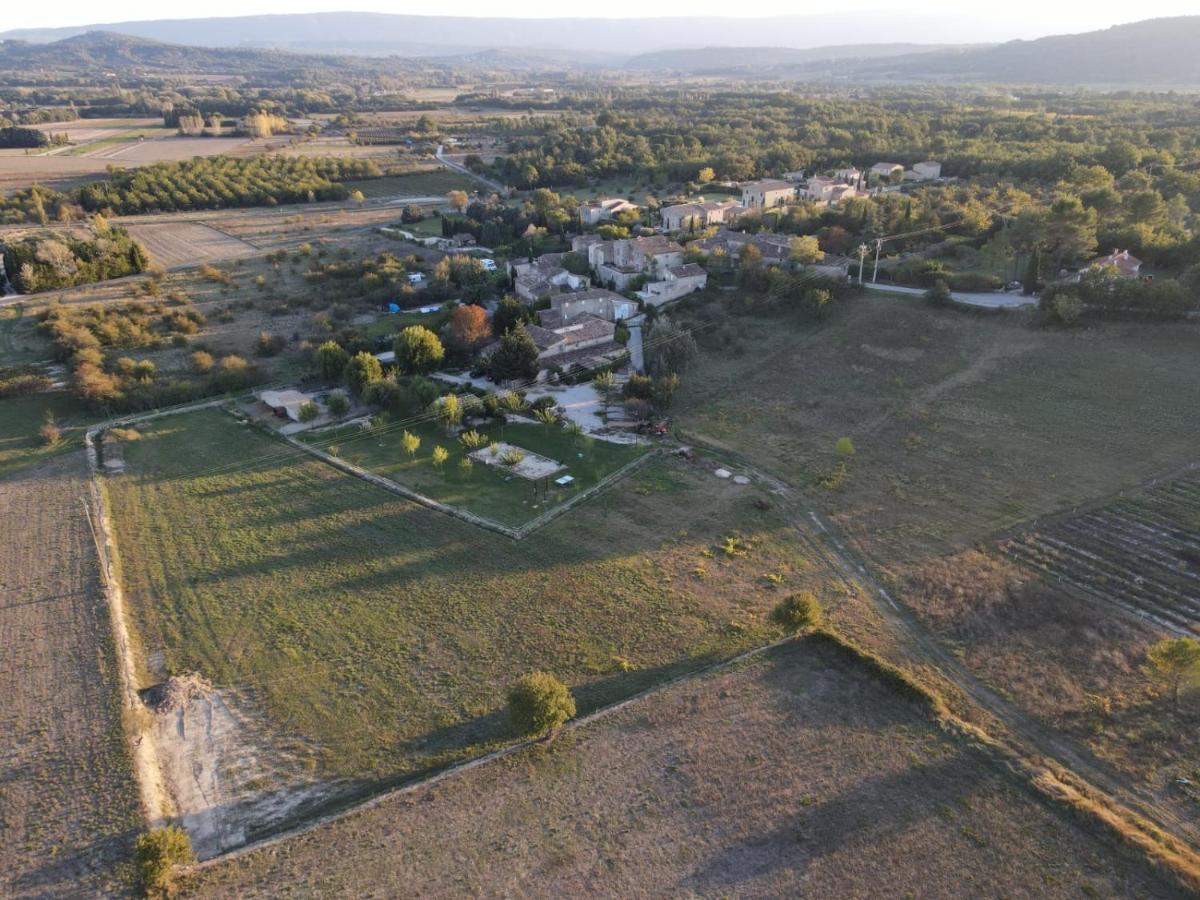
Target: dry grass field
[(796, 775), (98, 143), (1076, 664), (245, 561), (68, 801), (964, 424), (178, 244)]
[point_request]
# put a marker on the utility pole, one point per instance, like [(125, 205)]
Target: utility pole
[(862, 255), (875, 271)]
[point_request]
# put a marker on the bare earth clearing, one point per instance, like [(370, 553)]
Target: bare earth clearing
[(174, 245), (68, 801), (796, 775)]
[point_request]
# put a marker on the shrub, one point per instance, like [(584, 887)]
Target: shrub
[(845, 448), (50, 433), (234, 375), (411, 443), (269, 344), (512, 457), (440, 455), (465, 465), (157, 852), (338, 403), (939, 293), (202, 362), (1066, 309), (798, 611), (309, 411), (538, 704), (472, 440)]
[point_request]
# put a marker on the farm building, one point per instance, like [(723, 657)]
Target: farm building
[(285, 404)]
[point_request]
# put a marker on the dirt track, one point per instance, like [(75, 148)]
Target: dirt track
[(68, 803)]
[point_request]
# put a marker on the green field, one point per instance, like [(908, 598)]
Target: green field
[(964, 423), (20, 419), (383, 634), (487, 491), (431, 183)]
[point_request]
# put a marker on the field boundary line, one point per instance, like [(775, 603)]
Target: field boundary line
[(466, 765), (516, 533)]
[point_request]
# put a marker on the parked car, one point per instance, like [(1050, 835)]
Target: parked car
[(415, 278), (489, 265)]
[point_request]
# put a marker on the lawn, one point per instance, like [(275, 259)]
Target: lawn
[(20, 419), (796, 775), (963, 423), (384, 635), (488, 491)]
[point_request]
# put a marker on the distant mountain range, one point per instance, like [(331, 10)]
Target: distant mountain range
[(1154, 53), (375, 34)]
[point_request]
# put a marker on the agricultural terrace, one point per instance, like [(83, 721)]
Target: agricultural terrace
[(1141, 551), (797, 774), (494, 492), (384, 635), (961, 423)]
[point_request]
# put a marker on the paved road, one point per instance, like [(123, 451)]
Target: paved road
[(983, 298), (459, 167)]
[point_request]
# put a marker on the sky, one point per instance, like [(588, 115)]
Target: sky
[(1014, 18)]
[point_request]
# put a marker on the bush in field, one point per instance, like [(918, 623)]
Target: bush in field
[(538, 704), (440, 455), (309, 411), (362, 370), (845, 448), (512, 457), (472, 440), (157, 852), (1174, 660), (338, 403), (234, 375), (269, 344), (798, 611), (202, 362), (411, 443), (50, 433), (465, 465), (939, 293)]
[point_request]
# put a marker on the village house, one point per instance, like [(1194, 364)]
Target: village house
[(794, 177), (596, 302), (593, 212), (926, 171), (584, 342), (1126, 264), (776, 249), (700, 215), (677, 281), (886, 171), (767, 194), (285, 404), (848, 175), (619, 263), (544, 276), (826, 190)]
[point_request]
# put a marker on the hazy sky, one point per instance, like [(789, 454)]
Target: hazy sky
[(1014, 18)]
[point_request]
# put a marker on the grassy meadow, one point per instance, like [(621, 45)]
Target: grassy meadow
[(489, 491), (962, 423), (385, 634)]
